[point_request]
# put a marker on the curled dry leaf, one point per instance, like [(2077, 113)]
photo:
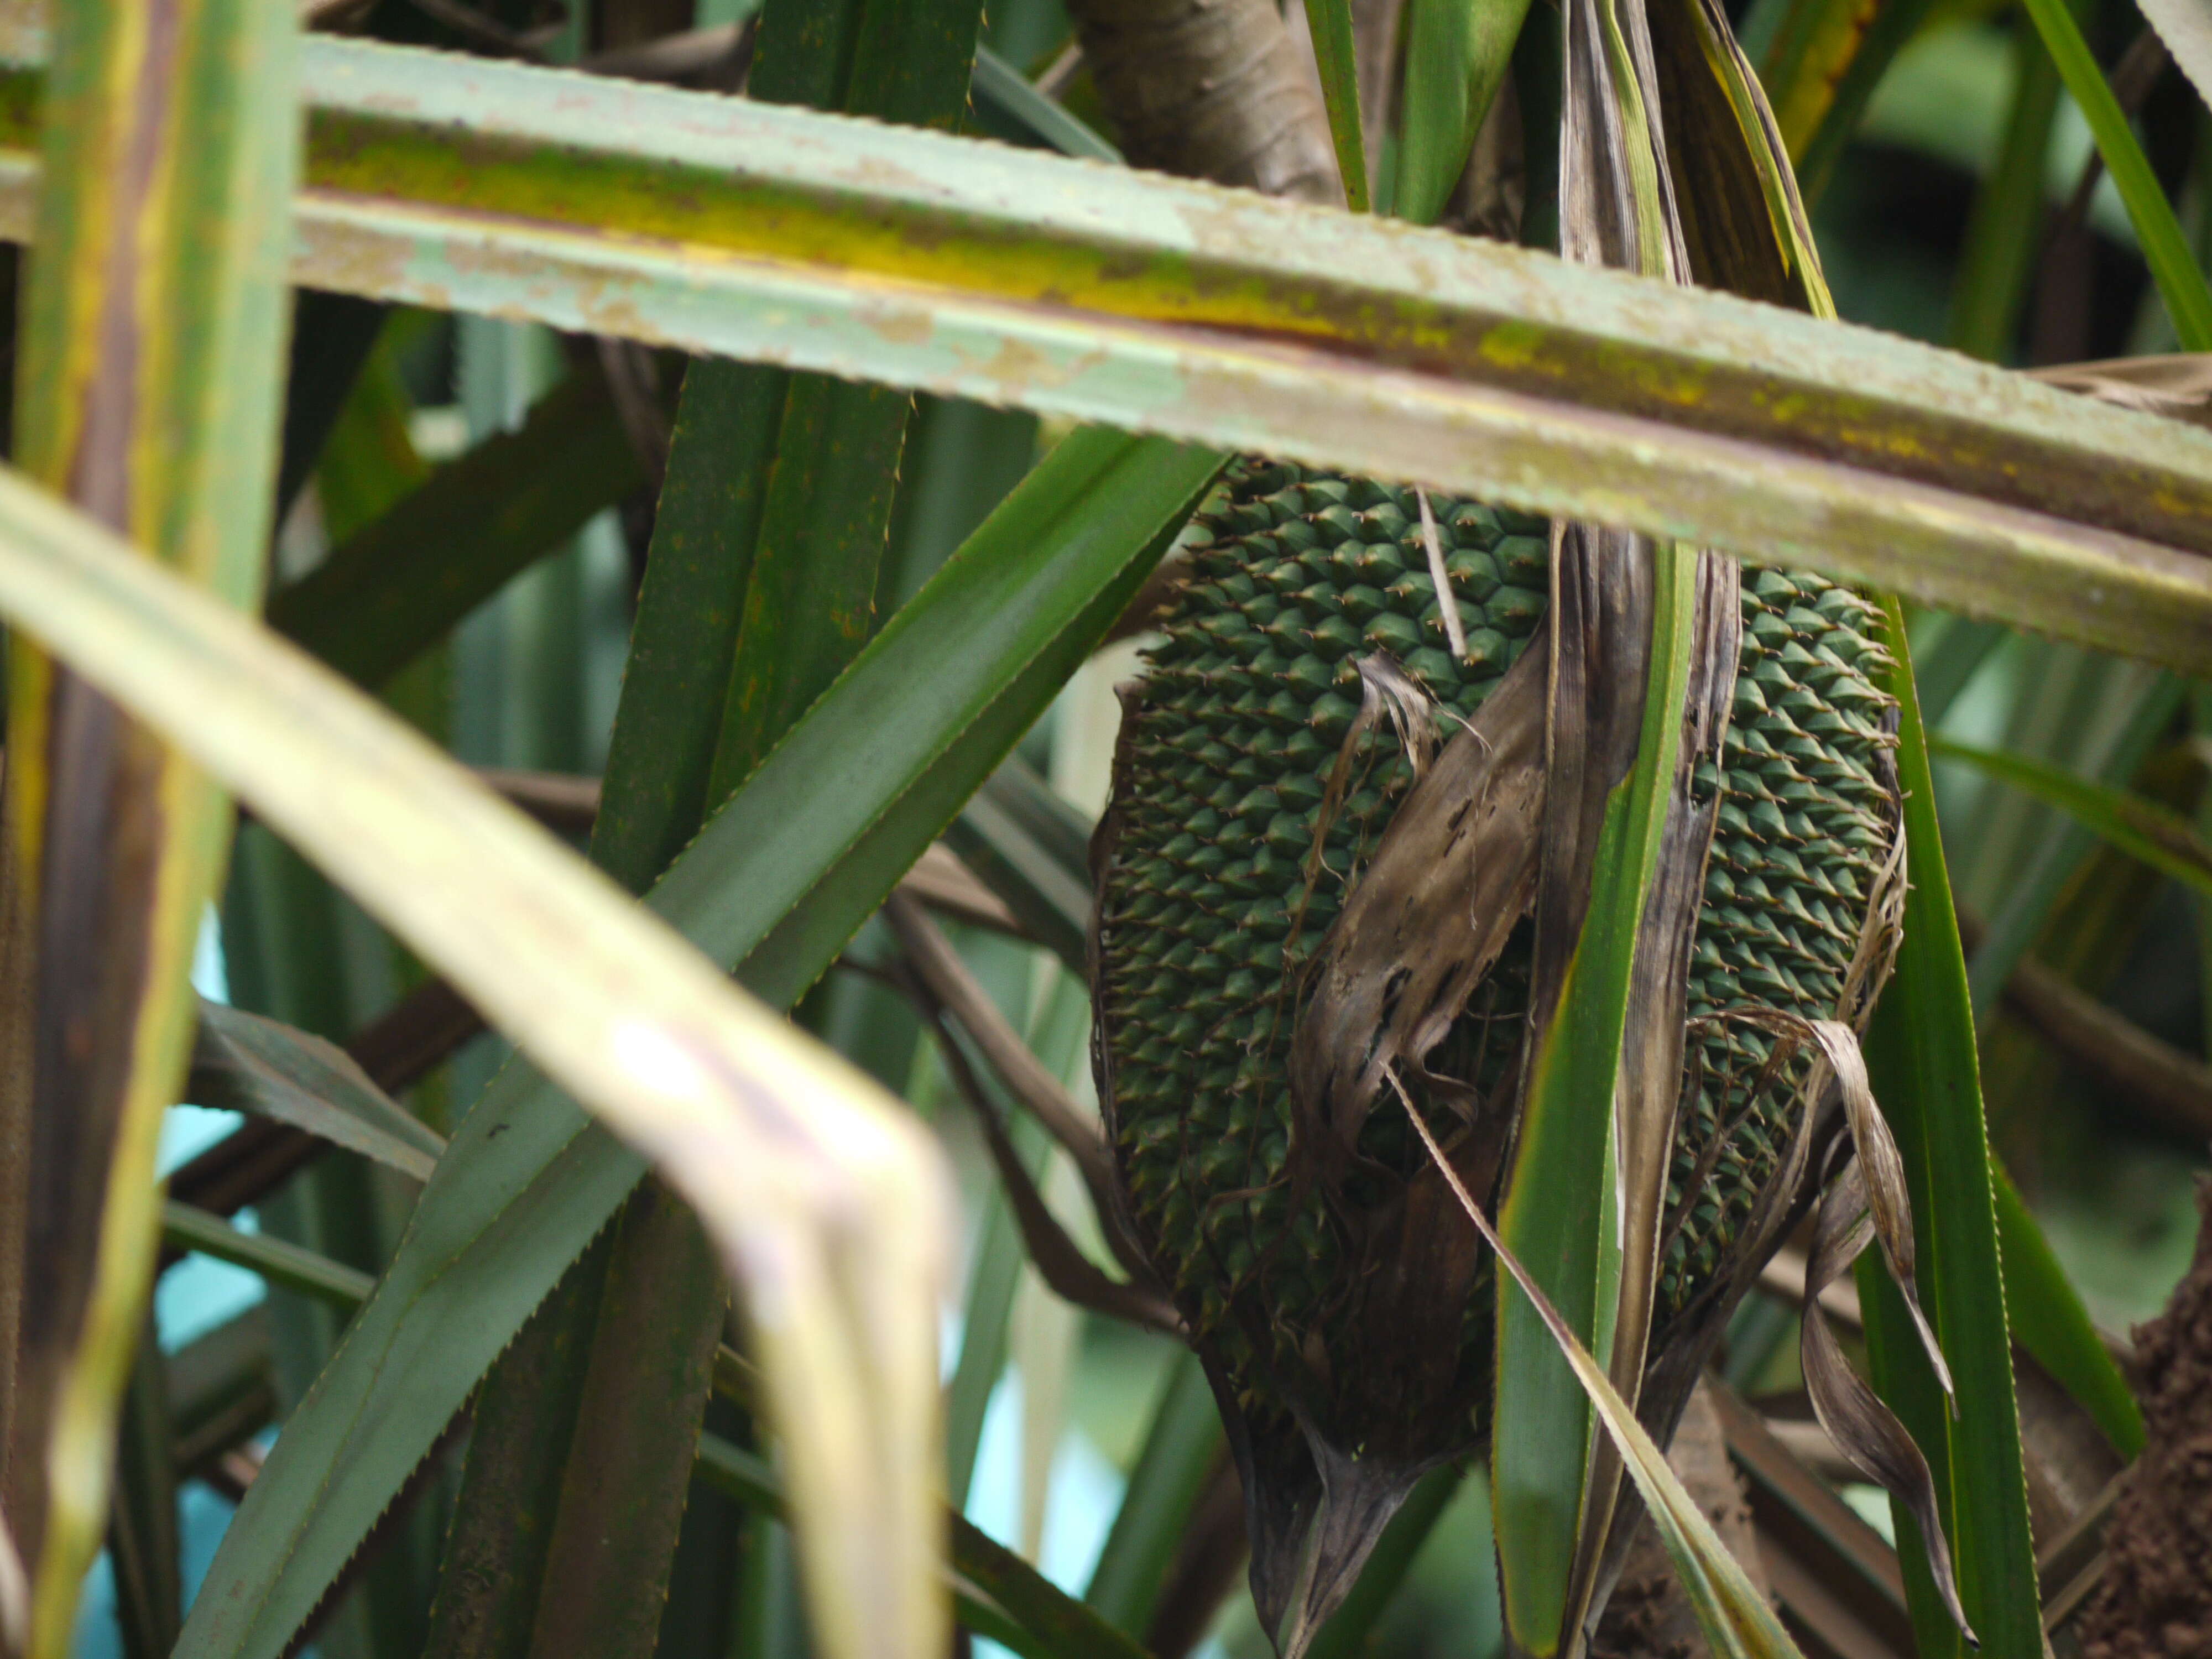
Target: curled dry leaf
[(1386, 692), (1734, 1614), (1868, 1200), (2177, 386), (1881, 1167), (1451, 879), (1864, 1429)]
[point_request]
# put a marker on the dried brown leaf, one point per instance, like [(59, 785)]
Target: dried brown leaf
[(1450, 877), (1879, 1168), (1863, 1428), (950, 989), (2177, 386)]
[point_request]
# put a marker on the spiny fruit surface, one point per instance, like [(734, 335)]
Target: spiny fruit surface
[(1210, 907)]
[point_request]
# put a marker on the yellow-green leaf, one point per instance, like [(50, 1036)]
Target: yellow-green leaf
[(829, 1203)]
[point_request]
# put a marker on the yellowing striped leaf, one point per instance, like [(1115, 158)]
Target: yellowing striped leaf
[(829, 1203)]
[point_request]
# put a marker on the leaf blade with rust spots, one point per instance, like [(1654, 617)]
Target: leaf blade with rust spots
[(1580, 393), (151, 334)]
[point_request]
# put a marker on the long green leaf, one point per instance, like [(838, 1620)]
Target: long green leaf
[(1946, 668), (992, 1282), (1330, 22), (1068, 1629), (278, 1261), (778, 881), (2047, 1318), (1456, 54), (2035, 888), (811, 561), (1922, 1058), (1056, 1033), (712, 1083), (1014, 835), (989, 1575), (1734, 1617), (726, 226), (1556, 1211), (2144, 829), (1181, 1449), (142, 1531), (2173, 266), (397, 586), (999, 82)]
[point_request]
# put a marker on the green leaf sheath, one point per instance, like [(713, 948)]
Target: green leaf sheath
[(1921, 1057), (923, 714)]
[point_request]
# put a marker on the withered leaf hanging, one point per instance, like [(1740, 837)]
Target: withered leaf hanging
[(1300, 896)]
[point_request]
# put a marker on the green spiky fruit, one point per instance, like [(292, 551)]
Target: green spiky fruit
[(1209, 907)]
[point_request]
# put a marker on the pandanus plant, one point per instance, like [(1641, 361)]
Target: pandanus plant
[(1518, 908)]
